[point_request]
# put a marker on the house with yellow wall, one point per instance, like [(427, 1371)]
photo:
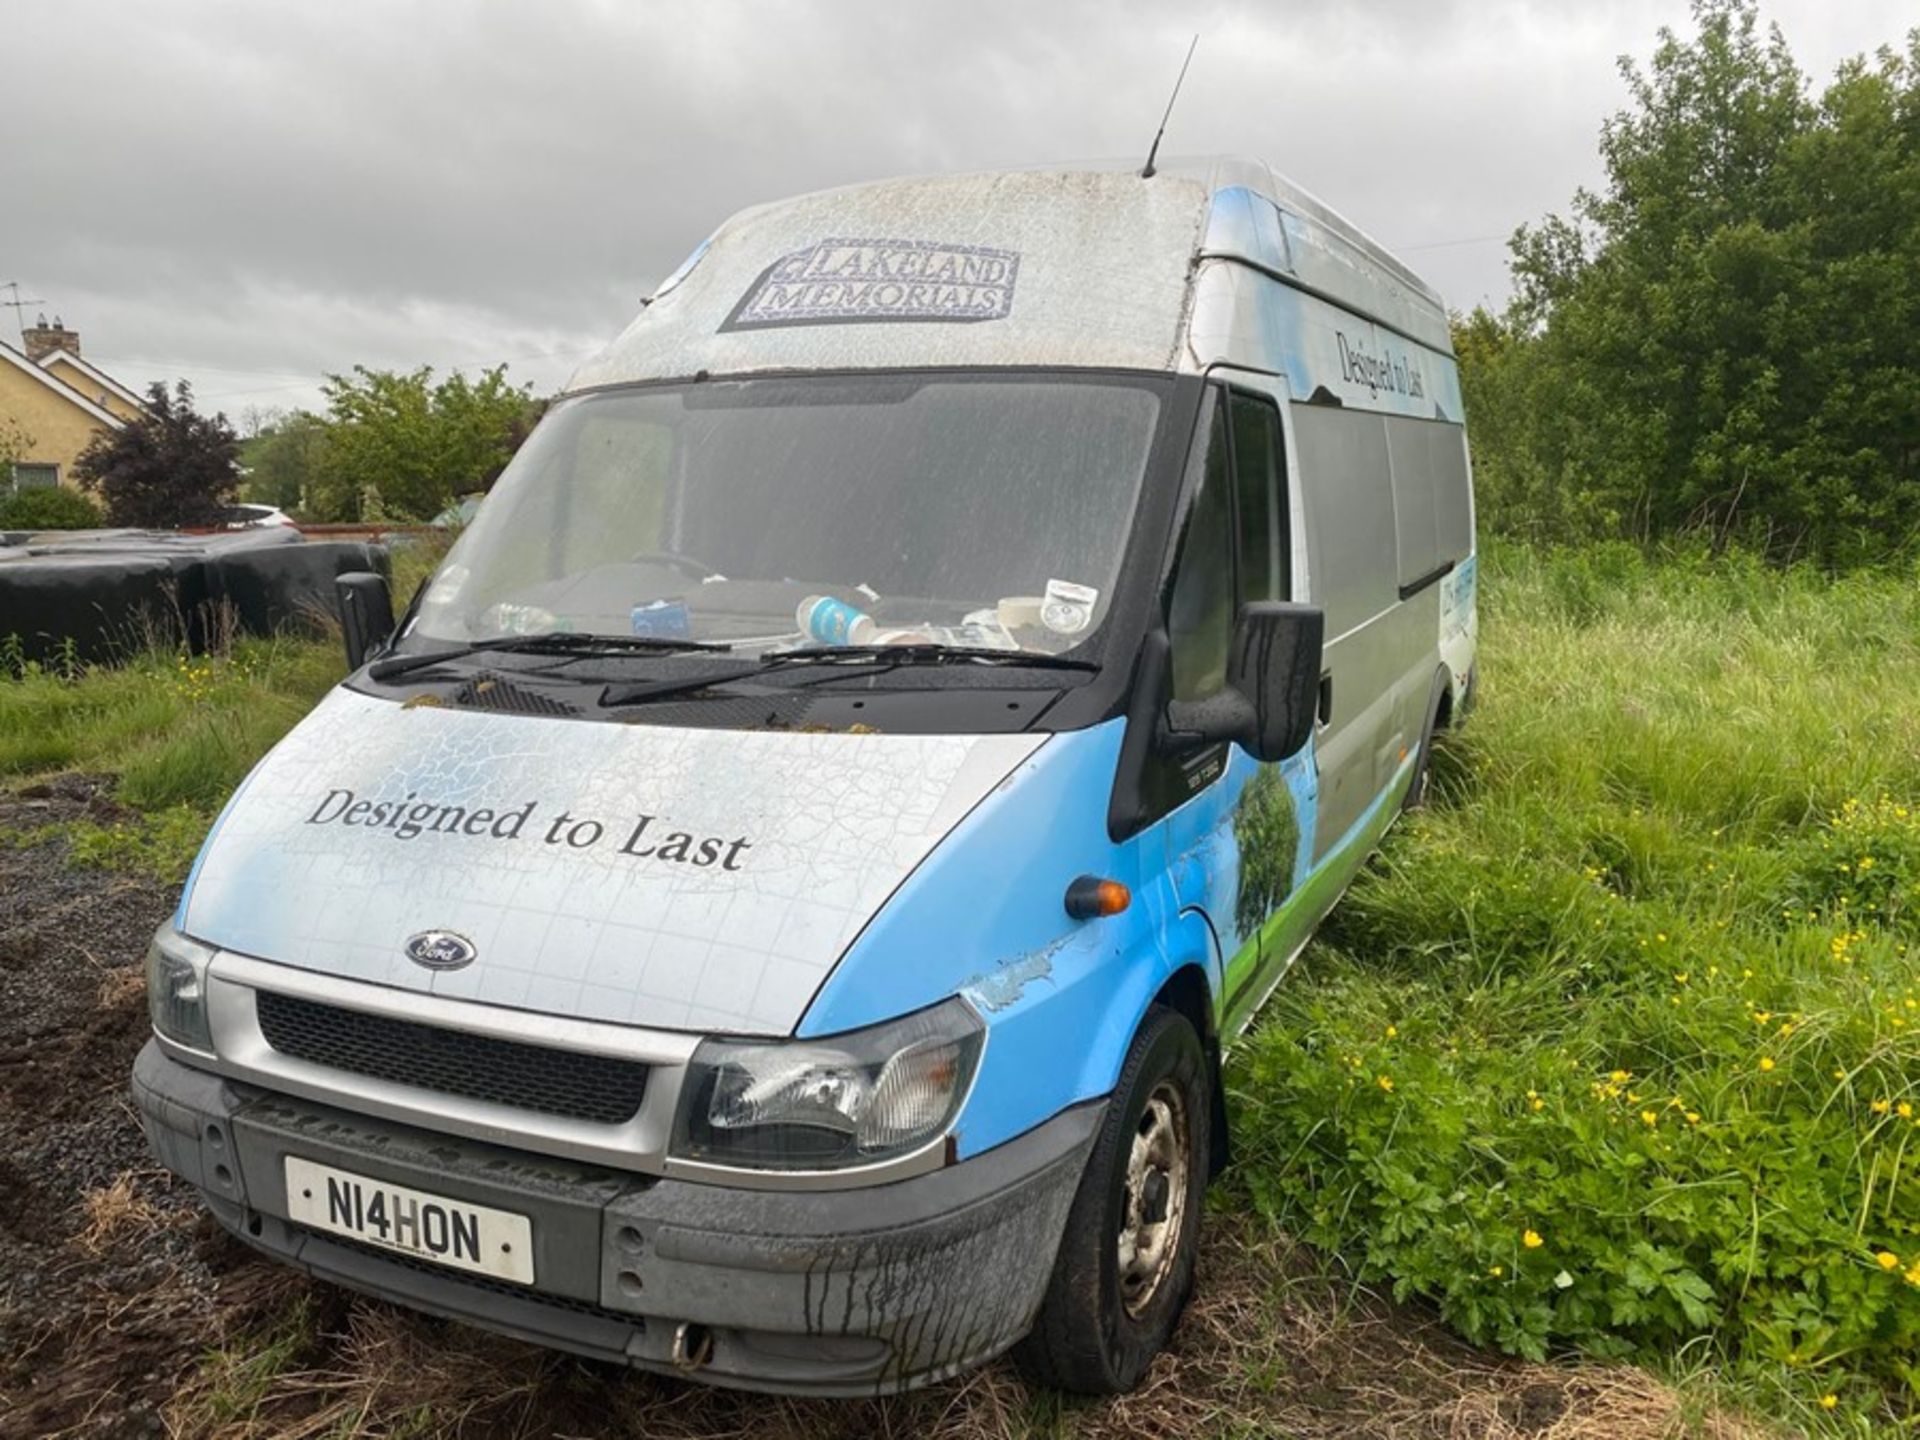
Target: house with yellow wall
[(52, 404)]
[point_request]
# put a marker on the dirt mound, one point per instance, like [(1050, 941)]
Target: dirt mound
[(109, 1280)]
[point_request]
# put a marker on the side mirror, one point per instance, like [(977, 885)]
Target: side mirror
[(1273, 684), (366, 613)]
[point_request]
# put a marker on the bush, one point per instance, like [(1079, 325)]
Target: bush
[(1618, 1045), (55, 508), (170, 467)]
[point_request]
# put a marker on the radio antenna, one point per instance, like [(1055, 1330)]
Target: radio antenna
[(1146, 171)]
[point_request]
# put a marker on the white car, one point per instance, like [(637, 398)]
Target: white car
[(249, 517)]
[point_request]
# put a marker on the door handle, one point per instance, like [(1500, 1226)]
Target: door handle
[(1325, 708)]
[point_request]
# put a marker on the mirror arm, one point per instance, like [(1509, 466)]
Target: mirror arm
[(1189, 724)]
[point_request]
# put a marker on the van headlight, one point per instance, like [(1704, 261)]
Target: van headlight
[(853, 1099), (177, 988)]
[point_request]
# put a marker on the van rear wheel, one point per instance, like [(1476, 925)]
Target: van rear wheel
[(1126, 1262)]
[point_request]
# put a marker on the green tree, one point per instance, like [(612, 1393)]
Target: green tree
[(402, 445), (1724, 338), (171, 467), (284, 460)]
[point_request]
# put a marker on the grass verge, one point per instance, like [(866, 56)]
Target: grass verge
[(1618, 1044)]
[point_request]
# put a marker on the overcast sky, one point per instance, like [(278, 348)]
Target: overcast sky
[(254, 194)]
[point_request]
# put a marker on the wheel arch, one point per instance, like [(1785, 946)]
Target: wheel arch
[(1187, 992)]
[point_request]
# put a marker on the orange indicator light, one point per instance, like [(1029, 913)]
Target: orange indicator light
[(1091, 896)]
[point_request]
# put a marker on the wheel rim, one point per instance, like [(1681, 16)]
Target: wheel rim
[(1156, 1198)]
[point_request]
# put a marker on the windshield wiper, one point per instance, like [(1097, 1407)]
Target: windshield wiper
[(562, 642), (873, 660)]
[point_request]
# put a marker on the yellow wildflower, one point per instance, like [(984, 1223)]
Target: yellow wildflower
[(1829, 1400), (1649, 1117), (1880, 1107), (1537, 1104), (1888, 1260), (1766, 1063), (1620, 1077), (1385, 1082), (1496, 1271), (1531, 1239), (1693, 1117), (1904, 1110), (1393, 1032)]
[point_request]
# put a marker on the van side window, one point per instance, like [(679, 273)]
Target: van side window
[(1257, 465), (1200, 609), (1350, 530)]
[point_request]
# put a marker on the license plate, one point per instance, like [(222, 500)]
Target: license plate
[(431, 1227)]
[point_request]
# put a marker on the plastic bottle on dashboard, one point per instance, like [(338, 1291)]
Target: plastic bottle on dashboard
[(827, 621)]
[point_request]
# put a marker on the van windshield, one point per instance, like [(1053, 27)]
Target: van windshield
[(985, 511)]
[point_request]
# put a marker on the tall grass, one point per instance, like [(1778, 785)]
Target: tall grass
[(1618, 1044), (176, 729)]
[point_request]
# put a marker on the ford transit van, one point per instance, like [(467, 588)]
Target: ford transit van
[(773, 907)]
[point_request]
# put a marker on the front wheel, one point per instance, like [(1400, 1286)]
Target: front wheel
[(1125, 1267)]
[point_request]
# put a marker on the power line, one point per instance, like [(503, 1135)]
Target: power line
[(152, 363), (311, 380), (1447, 244)]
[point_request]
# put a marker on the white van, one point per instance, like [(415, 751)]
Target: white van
[(773, 907)]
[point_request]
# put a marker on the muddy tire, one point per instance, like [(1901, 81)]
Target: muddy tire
[(1126, 1261)]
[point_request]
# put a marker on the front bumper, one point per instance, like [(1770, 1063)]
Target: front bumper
[(844, 1292)]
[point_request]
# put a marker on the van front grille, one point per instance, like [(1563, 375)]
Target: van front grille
[(599, 1088)]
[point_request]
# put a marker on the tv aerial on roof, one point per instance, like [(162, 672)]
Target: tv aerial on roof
[(19, 306)]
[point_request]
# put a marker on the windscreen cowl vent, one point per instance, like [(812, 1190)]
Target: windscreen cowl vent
[(491, 692)]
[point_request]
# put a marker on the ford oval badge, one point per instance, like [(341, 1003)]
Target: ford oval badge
[(440, 950)]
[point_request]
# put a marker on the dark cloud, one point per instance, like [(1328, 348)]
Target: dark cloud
[(253, 195)]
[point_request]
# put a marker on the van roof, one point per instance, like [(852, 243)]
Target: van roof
[(1077, 265), (1249, 172), (1322, 250)]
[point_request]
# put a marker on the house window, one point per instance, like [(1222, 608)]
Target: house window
[(35, 477)]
